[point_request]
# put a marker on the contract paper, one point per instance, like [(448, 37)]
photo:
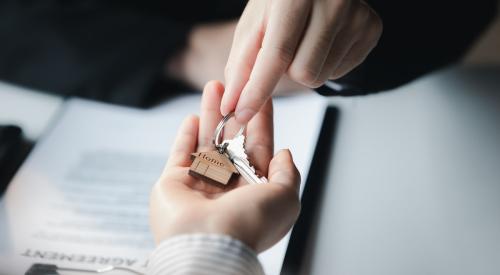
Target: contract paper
[(80, 200)]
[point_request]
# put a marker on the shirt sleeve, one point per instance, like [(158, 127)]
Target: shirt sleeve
[(203, 254), (418, 37)]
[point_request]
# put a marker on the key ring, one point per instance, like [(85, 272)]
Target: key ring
[(217, 135)]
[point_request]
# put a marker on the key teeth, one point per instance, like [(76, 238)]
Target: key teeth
[(242, 155), (244, 147), (247, 160), (262, 178)]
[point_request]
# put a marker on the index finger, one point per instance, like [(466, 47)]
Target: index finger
[(260, 138), (285, 25)]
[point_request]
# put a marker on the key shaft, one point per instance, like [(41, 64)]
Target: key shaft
[(235, 150), (247, 171)]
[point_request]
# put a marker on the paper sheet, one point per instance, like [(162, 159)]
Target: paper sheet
[(81, 198)]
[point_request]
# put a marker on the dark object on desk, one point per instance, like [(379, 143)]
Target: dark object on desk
[(13, 150), (304, 232), (51, 269), (42, 269)]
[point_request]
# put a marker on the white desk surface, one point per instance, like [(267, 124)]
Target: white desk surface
[(414, 179)]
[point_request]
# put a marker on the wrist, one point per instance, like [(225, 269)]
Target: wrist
[(204, 222), (184, 252)]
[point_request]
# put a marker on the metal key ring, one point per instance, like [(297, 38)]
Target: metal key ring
[(218, 131)]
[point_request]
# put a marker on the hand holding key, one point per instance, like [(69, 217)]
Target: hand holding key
[(257, 214), (310, 41)]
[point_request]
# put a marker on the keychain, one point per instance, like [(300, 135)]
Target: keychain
[(228, 158)]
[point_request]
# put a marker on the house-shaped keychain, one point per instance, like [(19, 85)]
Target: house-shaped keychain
[(212, 166)]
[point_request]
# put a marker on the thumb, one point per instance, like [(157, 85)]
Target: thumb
[(283, 171)]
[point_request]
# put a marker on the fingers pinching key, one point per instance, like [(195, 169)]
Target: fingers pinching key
[(235, 150)]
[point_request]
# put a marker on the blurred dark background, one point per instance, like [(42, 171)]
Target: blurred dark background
[(118, 51)]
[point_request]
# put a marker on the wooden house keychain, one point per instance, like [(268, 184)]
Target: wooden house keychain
[(228, 158)]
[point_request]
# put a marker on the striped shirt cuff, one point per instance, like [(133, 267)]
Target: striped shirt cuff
[(203, 254)]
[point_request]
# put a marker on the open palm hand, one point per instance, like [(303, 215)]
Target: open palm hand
[(257, 214)]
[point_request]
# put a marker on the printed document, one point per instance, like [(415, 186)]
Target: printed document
[(80, 200)]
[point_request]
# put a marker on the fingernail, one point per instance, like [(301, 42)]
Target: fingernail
[(228, 84), (244, 115), (280, 151), (284, 153), (224, 109), (281, 176), (224, 103)]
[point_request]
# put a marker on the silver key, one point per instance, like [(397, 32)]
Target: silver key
[(235, 150)]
